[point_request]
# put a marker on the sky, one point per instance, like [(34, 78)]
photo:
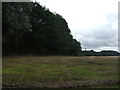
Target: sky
[(94, 23)]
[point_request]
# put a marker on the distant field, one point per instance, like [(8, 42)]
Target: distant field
[(60, 71)]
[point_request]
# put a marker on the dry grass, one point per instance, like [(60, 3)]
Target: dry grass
[(29, 70)]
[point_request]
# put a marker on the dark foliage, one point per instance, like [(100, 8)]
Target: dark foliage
[(102, 53), (30, 29)]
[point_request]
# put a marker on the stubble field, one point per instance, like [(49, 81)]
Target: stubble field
[(60, 71)]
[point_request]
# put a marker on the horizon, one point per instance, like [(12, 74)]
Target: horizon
[(99, 50), (95, 27)]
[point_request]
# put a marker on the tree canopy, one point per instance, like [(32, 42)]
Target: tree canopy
[(31, 29)]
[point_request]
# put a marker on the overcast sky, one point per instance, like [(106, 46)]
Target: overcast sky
[(94, 23)]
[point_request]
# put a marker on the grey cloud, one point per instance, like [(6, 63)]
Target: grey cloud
[(105, 36)]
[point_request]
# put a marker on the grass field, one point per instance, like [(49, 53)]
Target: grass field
[(60, 71)]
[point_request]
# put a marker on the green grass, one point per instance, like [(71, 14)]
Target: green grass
[(58, 68)]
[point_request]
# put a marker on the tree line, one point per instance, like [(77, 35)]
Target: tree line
[(101, 53), (31, 29)]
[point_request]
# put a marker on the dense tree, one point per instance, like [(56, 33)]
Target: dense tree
[(15, 22), (29, 28)]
